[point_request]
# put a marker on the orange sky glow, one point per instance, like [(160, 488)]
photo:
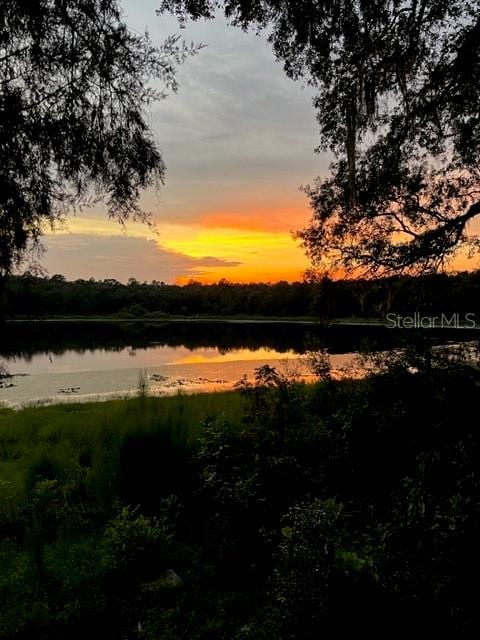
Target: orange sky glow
[(262, 242), (239, 247), (238, 140), (243, 246)]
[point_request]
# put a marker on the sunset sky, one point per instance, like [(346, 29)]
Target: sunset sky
[(238, 141)]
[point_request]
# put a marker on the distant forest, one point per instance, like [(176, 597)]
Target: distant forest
[(30, 296)]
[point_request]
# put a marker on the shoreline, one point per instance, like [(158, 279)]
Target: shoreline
[(305, 320)]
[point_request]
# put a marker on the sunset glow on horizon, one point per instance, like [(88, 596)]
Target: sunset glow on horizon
[(238, 141), (204, 252), (239, 248)]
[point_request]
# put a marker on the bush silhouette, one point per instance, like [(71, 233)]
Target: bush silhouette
[(151, 465)]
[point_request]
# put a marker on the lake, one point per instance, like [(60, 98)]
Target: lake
[(61, 361)]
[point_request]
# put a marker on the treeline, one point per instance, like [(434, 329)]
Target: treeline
[(32, 296)]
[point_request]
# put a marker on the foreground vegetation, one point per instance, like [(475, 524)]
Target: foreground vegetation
[(279, 511)]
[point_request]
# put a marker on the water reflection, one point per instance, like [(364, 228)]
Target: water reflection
[(64, 361)]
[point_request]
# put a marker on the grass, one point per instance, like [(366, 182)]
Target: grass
[(64, 471), (72, 432)]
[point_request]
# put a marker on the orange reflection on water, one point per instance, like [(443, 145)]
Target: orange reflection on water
[(212, 356)]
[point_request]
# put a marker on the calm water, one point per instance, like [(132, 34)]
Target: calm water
[(61, 361)]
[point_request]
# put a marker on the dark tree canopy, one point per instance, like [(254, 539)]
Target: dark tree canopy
[(398, 103), (74, 127)]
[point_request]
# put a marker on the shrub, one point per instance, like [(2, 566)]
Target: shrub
[(152, 464)]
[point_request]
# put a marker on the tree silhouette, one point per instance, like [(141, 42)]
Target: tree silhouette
[(398, 97), (74, 129)]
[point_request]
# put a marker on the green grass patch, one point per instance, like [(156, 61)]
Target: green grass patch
[(73, 434)]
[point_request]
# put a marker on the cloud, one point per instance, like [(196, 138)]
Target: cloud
[(238, 130), (123, 257), (238, 140), (276, 220)]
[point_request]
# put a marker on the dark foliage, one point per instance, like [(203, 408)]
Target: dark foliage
[(73, 114), (346, 507), (318, 297), (378, 485), (151, 467)]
